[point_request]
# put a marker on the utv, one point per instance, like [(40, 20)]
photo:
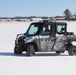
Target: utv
[(45, 37)]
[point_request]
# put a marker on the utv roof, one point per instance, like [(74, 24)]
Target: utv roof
[(50, 22)]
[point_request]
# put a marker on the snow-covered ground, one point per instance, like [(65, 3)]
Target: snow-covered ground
[(41, 64)]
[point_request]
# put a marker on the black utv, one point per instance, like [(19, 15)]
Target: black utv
[(45, 37)]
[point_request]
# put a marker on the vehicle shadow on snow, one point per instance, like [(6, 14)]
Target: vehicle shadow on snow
[(10, 54), (37, 54), (49, 54)]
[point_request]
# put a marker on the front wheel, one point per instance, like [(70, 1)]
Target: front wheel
[(30, 50), (72, 50), (17, 51)]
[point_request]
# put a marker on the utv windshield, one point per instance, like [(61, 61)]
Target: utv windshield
[(34, 28)]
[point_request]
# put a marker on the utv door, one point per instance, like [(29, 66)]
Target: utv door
[(60, 44), (46, 38)]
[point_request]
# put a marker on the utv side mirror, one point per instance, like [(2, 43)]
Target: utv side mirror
[(24, 33)]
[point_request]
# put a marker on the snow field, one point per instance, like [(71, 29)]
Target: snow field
[(41, 64)]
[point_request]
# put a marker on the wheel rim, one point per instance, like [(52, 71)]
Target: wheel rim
[(32, 50)]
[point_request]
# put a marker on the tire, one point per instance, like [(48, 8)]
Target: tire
[(58, 52), (17, 51), (72, 50), (30, 50)]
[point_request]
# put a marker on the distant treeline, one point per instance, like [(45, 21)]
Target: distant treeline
[(67, 15)]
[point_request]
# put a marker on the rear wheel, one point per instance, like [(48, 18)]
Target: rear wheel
[(58, 52), (72, 50), (30, 50), (17, 51)]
